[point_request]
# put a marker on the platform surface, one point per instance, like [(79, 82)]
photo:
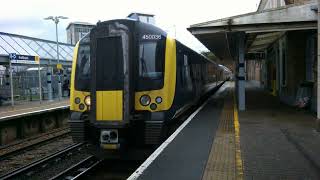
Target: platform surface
[(31, 108), (186, 156), (268, 141), (277, 141)]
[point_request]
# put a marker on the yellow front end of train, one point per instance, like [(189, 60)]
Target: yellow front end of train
[(108, 109), (130, 82)]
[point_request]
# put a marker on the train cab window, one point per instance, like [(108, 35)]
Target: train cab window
[(151, 64), (151, 59), (84, 61)]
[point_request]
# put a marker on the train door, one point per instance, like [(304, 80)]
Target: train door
[(110, 69)]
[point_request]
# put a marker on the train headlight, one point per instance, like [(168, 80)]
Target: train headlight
[(87, 100), (81, 106), (158, 100), (145, 100), (77, 100), (153, 106)]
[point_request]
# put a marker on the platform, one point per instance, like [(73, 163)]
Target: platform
[(32, 108), (268, 141), (277, 141)]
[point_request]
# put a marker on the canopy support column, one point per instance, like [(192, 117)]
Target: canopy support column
[(241, 91)]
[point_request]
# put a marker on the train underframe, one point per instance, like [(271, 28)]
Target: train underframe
[(134, 140)]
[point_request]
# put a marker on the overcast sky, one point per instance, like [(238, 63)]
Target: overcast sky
[(26, 16)]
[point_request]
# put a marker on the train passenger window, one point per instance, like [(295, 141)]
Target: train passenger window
[(187, 77), (151, 59)]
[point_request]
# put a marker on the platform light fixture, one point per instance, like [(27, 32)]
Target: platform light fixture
[(56, 20)]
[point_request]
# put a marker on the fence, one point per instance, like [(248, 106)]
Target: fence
[(25, 81)]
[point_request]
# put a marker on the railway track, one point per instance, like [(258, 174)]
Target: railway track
[(92, 168), (80, 169), (16, 155), (28, 143), (31, 170)]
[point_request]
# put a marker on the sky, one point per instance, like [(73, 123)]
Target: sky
[(25, 17)]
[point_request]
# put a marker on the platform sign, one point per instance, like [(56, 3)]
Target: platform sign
[(23, 59)]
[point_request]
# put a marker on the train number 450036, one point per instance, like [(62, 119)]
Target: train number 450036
[(151, 37)]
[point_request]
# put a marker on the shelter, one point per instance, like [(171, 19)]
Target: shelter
[(281, 34)]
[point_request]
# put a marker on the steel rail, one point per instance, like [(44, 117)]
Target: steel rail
[(32, 145), (41, 162), (79, 170)]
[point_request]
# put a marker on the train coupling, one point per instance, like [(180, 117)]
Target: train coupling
[(109, 139)]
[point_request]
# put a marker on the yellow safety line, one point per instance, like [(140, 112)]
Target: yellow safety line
[(239, 165)]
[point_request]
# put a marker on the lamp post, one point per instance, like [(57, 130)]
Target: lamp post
[(56, 20)]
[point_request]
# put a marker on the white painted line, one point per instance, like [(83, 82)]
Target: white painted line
[(32, 112), (158, 151)]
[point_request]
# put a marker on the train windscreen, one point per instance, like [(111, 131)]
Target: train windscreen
[(83, 74), (151, 64)]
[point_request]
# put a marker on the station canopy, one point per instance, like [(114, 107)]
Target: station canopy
[(261, 28), (24, 45)]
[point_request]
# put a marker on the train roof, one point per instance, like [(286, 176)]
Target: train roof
[(151, 26)]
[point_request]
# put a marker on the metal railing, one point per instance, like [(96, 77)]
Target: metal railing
[(25, 82)]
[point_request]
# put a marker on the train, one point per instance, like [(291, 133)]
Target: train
[(130, 80)]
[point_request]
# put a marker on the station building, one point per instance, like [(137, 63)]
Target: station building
[(76, 30), (276, 45)]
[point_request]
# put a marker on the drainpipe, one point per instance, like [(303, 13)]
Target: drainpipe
[(318, 73)]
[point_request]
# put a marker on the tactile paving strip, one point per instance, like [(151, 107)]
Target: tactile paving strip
[(222, 159)]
